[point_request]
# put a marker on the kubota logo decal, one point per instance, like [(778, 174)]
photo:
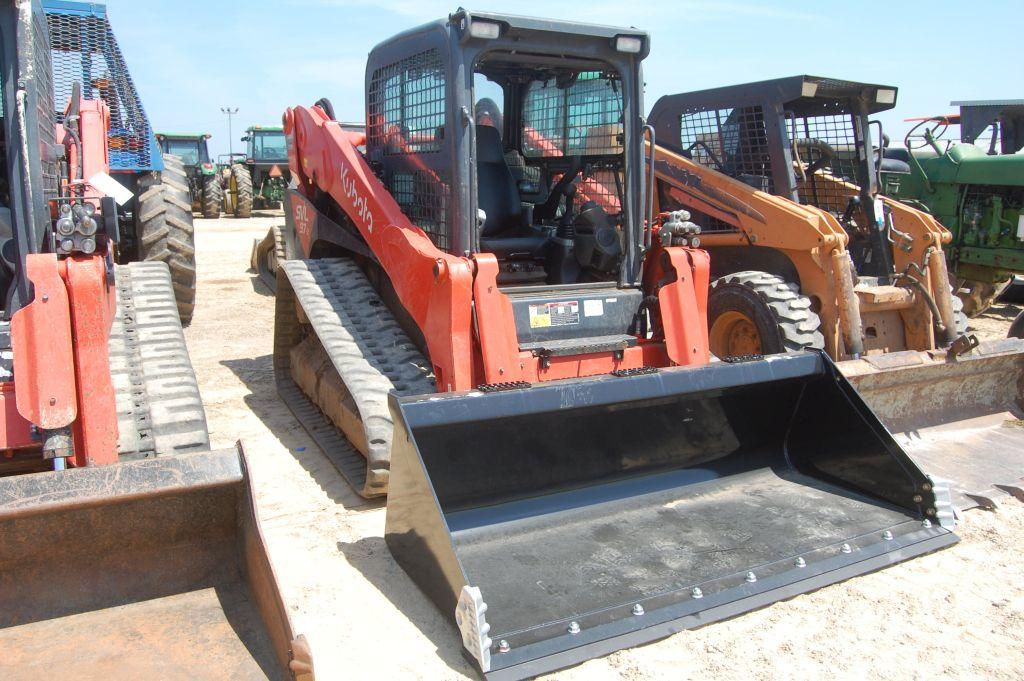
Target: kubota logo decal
[(359, 203)]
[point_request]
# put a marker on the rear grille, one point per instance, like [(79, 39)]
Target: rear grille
[(731, 141), (811, 136)]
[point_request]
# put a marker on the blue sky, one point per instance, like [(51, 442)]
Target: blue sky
[(190, 57)]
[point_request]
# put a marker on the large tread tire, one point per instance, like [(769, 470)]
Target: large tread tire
[(211, 196), (159, 409), (165, 231), (1017, 328), (783, 316), (243, 194)]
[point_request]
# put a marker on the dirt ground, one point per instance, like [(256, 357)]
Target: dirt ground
[(956, 614)]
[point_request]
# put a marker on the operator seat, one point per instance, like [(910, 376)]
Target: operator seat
[(505, 232)]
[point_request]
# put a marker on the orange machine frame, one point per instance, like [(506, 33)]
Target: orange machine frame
[(815, 243), (60, 339), (466, 320)]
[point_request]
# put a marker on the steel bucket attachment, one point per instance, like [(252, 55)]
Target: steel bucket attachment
[(960, 418), (572, 519), (151, 569)]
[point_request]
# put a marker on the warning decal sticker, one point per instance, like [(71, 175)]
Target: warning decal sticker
[(564, 313)]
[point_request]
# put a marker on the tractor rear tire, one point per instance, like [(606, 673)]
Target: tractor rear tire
[(240, 188), (1017, 328), (164, 230), (757, 313), (212, 196)]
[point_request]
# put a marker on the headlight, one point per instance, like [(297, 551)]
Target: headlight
[(629, 43), (484, 29)]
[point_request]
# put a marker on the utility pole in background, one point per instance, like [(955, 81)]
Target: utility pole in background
[(231, 135)]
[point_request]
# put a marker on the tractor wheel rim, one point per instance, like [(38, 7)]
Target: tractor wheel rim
[(733, 334)]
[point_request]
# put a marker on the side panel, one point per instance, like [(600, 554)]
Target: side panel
[(41, 342)]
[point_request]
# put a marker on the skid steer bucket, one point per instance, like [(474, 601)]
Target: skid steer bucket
[(568, 520), (960, 418), (150, 569)]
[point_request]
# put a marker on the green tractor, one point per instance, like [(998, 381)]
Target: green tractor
[(204, 186), (260, 178), (975, 187)]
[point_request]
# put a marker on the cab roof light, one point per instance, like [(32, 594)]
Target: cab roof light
[(631, 44)]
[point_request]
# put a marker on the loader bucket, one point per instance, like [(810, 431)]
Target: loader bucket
[(568, 520), (960, 418), (150, 569)]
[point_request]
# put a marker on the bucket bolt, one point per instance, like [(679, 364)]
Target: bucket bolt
[(697, 593), (638, 609), (751, 577), (574, 627), (503, 646), (846, 548), (887, 535), (800, 562)]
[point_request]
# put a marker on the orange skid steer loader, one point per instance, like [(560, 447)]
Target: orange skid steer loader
[(488, 324), (128, 549), (781, 178)]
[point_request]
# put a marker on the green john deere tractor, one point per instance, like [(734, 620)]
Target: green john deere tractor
[(260, 178), (975, 187), (204, 186)]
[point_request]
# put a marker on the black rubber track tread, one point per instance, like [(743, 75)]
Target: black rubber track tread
[(166, 232), (799, 324), (274, 240), (159, 409), (368, 348), (243, 200), (212, 198)]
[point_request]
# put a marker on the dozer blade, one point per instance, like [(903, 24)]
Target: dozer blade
[(150, 569), (960, 418), (571, 519)]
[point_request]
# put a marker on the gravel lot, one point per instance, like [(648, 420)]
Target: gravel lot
[(956, 614)]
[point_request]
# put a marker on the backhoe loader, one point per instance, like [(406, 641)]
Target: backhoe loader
[(781, 177), (490, 326), (128, 549)]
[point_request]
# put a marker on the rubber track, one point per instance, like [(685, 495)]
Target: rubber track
[(274, 239), (159, 410), (800, 326), (367, 347)]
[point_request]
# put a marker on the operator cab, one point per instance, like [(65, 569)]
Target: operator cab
[(549, 171), (519, 138)]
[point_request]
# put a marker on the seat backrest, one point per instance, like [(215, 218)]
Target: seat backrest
[(497, 193)]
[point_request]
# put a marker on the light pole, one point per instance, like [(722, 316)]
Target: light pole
[(231, 135)]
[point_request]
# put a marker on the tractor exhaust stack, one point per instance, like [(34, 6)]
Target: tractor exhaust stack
[(567, 520)]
